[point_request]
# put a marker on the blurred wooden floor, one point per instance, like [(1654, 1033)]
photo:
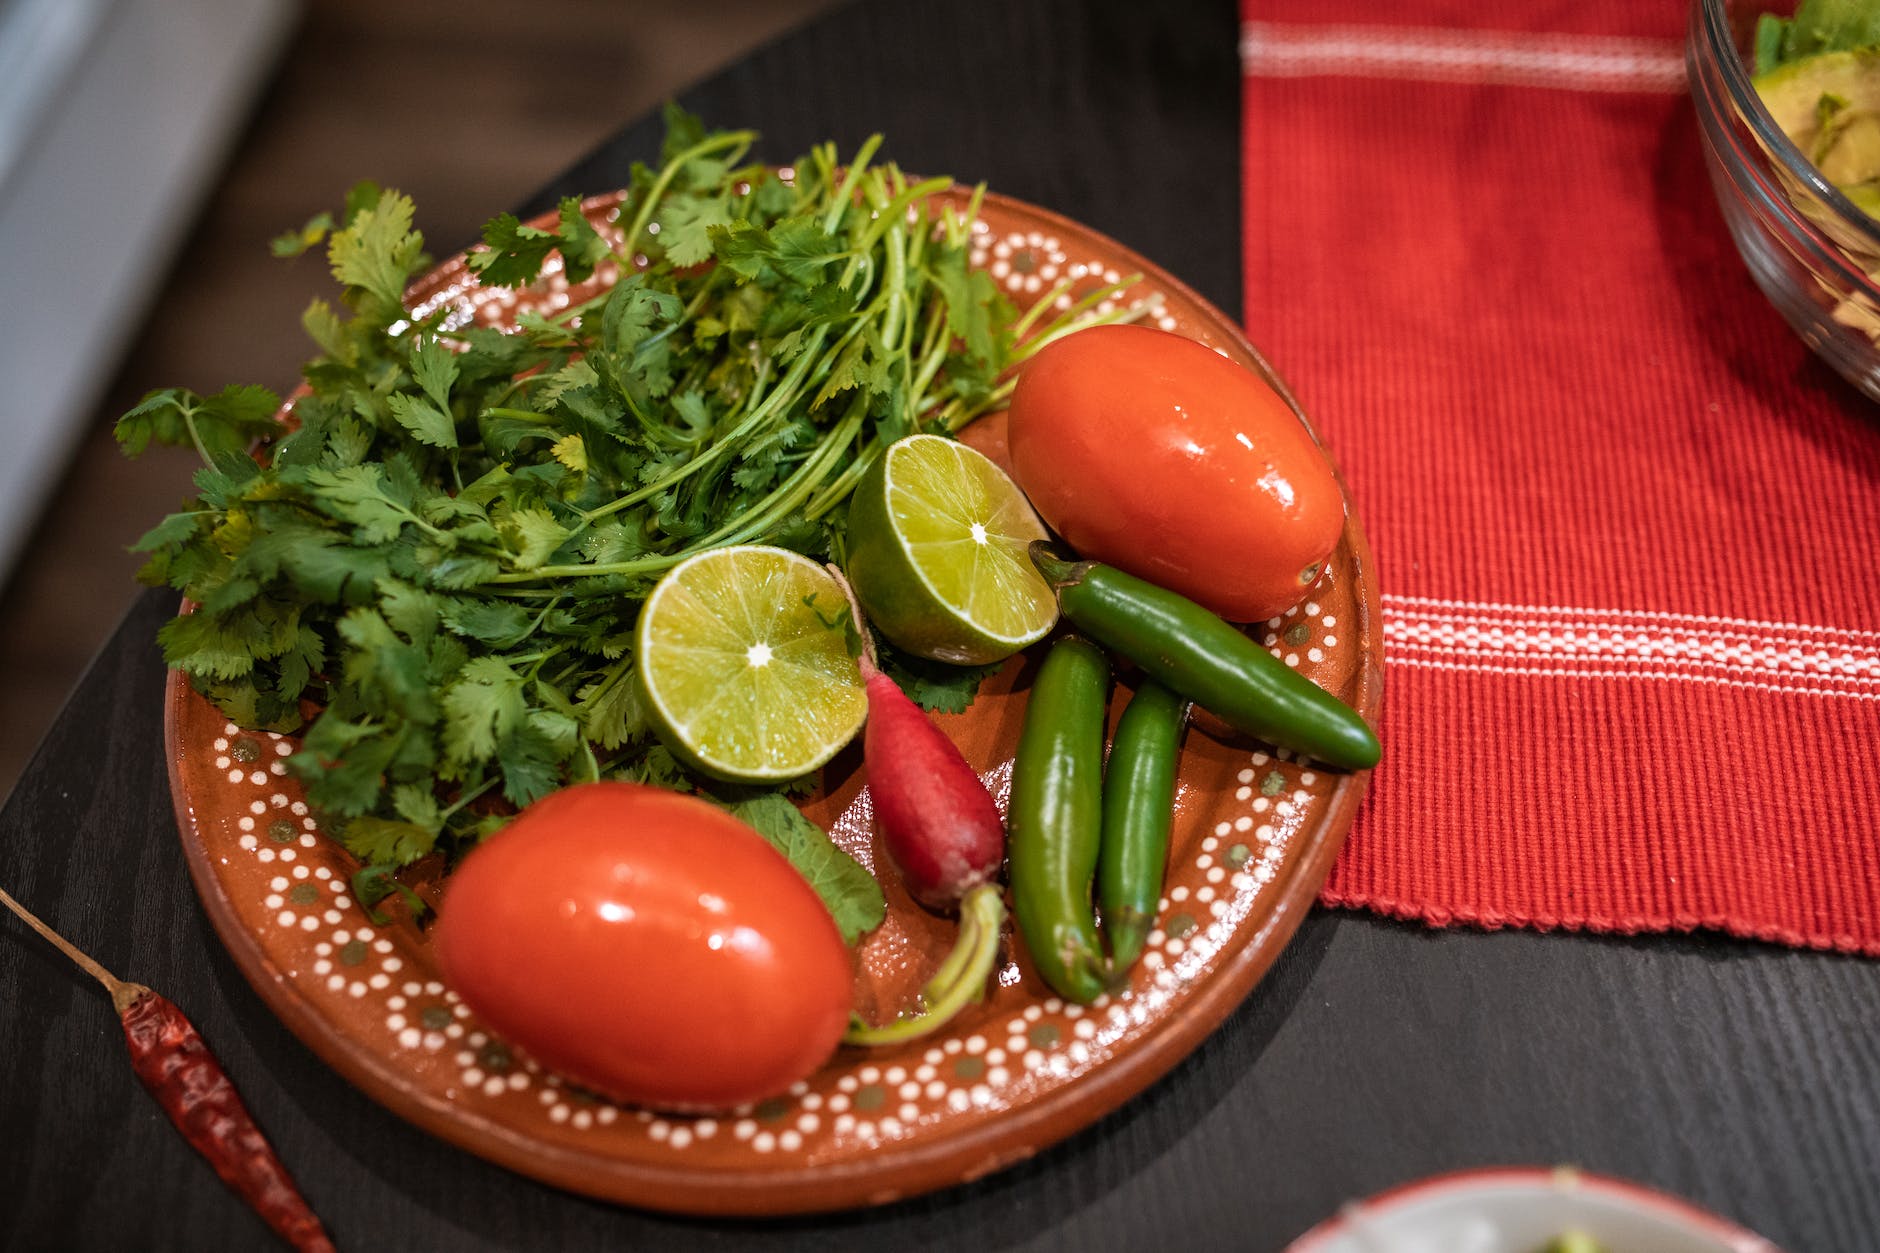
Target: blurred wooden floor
[(468, 105)]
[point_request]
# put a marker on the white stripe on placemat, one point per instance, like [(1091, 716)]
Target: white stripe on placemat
[(1577, 62), (1561, 641)]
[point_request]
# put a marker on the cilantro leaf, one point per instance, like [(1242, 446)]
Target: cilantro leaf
[(387, 671), (434, 367), (499, 623), (684, 130), (444, 548), (1817, 26), (385, 842), (294, 243), (342, 763), (632, 314), (582, 247), (309, 236), (934, 685), (657, 767), (513, 253), (852, 895), (571, 451), (226, 422), (685, 228), (176, 529), (612, 712), (325, 329), (531, 766), (531, 535), (483, 707), (796, 249), (361, 495), (427, 422), (378, 251)]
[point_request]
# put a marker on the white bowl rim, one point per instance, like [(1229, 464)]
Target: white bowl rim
[(1548, 1179)]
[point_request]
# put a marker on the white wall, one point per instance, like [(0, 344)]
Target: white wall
[(114, 118)]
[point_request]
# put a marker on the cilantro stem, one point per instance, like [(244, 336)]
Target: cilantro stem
[(893, 214), (960, 227), (542, 617), (837, 490), (933, 353), (895, 281), (1059, 289), (639, 565), (956, 414), (1075, 319), (521, 384), (839, 202), (794, 490), (195, 436), (740, 141), (848, 316), (467, 796), (767, 513)]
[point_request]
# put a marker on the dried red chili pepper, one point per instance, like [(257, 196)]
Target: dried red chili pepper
[(171, 1059), (176, 1066)]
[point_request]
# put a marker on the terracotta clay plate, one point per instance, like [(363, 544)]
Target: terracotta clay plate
[(1255, 835)]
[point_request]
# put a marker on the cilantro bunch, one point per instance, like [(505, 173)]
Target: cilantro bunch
[(433, 566), (1817, 26)]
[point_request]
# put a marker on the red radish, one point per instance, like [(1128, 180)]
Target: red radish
[(943, 832)]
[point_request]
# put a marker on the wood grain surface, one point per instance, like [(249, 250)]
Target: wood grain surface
[(1743, 1077)]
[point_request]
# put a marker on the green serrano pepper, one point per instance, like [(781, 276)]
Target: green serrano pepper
[(1054, 818), (1138, 812), (1196, 654)]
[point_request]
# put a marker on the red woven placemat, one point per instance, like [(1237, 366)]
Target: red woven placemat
[(1624, 521)]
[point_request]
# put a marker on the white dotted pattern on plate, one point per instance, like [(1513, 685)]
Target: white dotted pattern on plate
[(854, 1099), (1044, 1044)]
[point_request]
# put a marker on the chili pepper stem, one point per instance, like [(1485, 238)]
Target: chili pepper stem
[(123, 993), (1194, 652), (176, 1068), (1057, 572), (961, 979)]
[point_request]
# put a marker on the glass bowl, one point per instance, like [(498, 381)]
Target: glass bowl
[(1814, 254)]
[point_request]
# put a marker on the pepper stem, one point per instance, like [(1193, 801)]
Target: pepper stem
[(1058, 572), (122, 993), (961, 979)]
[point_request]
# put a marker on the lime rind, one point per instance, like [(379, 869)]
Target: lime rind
[(744, 679), (949, 576)]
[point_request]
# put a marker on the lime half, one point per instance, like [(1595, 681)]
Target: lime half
[(937, 537), (744, 661)]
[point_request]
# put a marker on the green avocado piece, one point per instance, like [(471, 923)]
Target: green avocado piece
[(1573, 1242), (1866, 197), (1802, 95), (1848, 149), (1829, 105)]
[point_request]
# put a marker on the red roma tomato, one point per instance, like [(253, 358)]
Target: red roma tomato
[(648, 945), (1155, 454)]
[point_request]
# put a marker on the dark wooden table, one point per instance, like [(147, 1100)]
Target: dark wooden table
[(1744, 1077)]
